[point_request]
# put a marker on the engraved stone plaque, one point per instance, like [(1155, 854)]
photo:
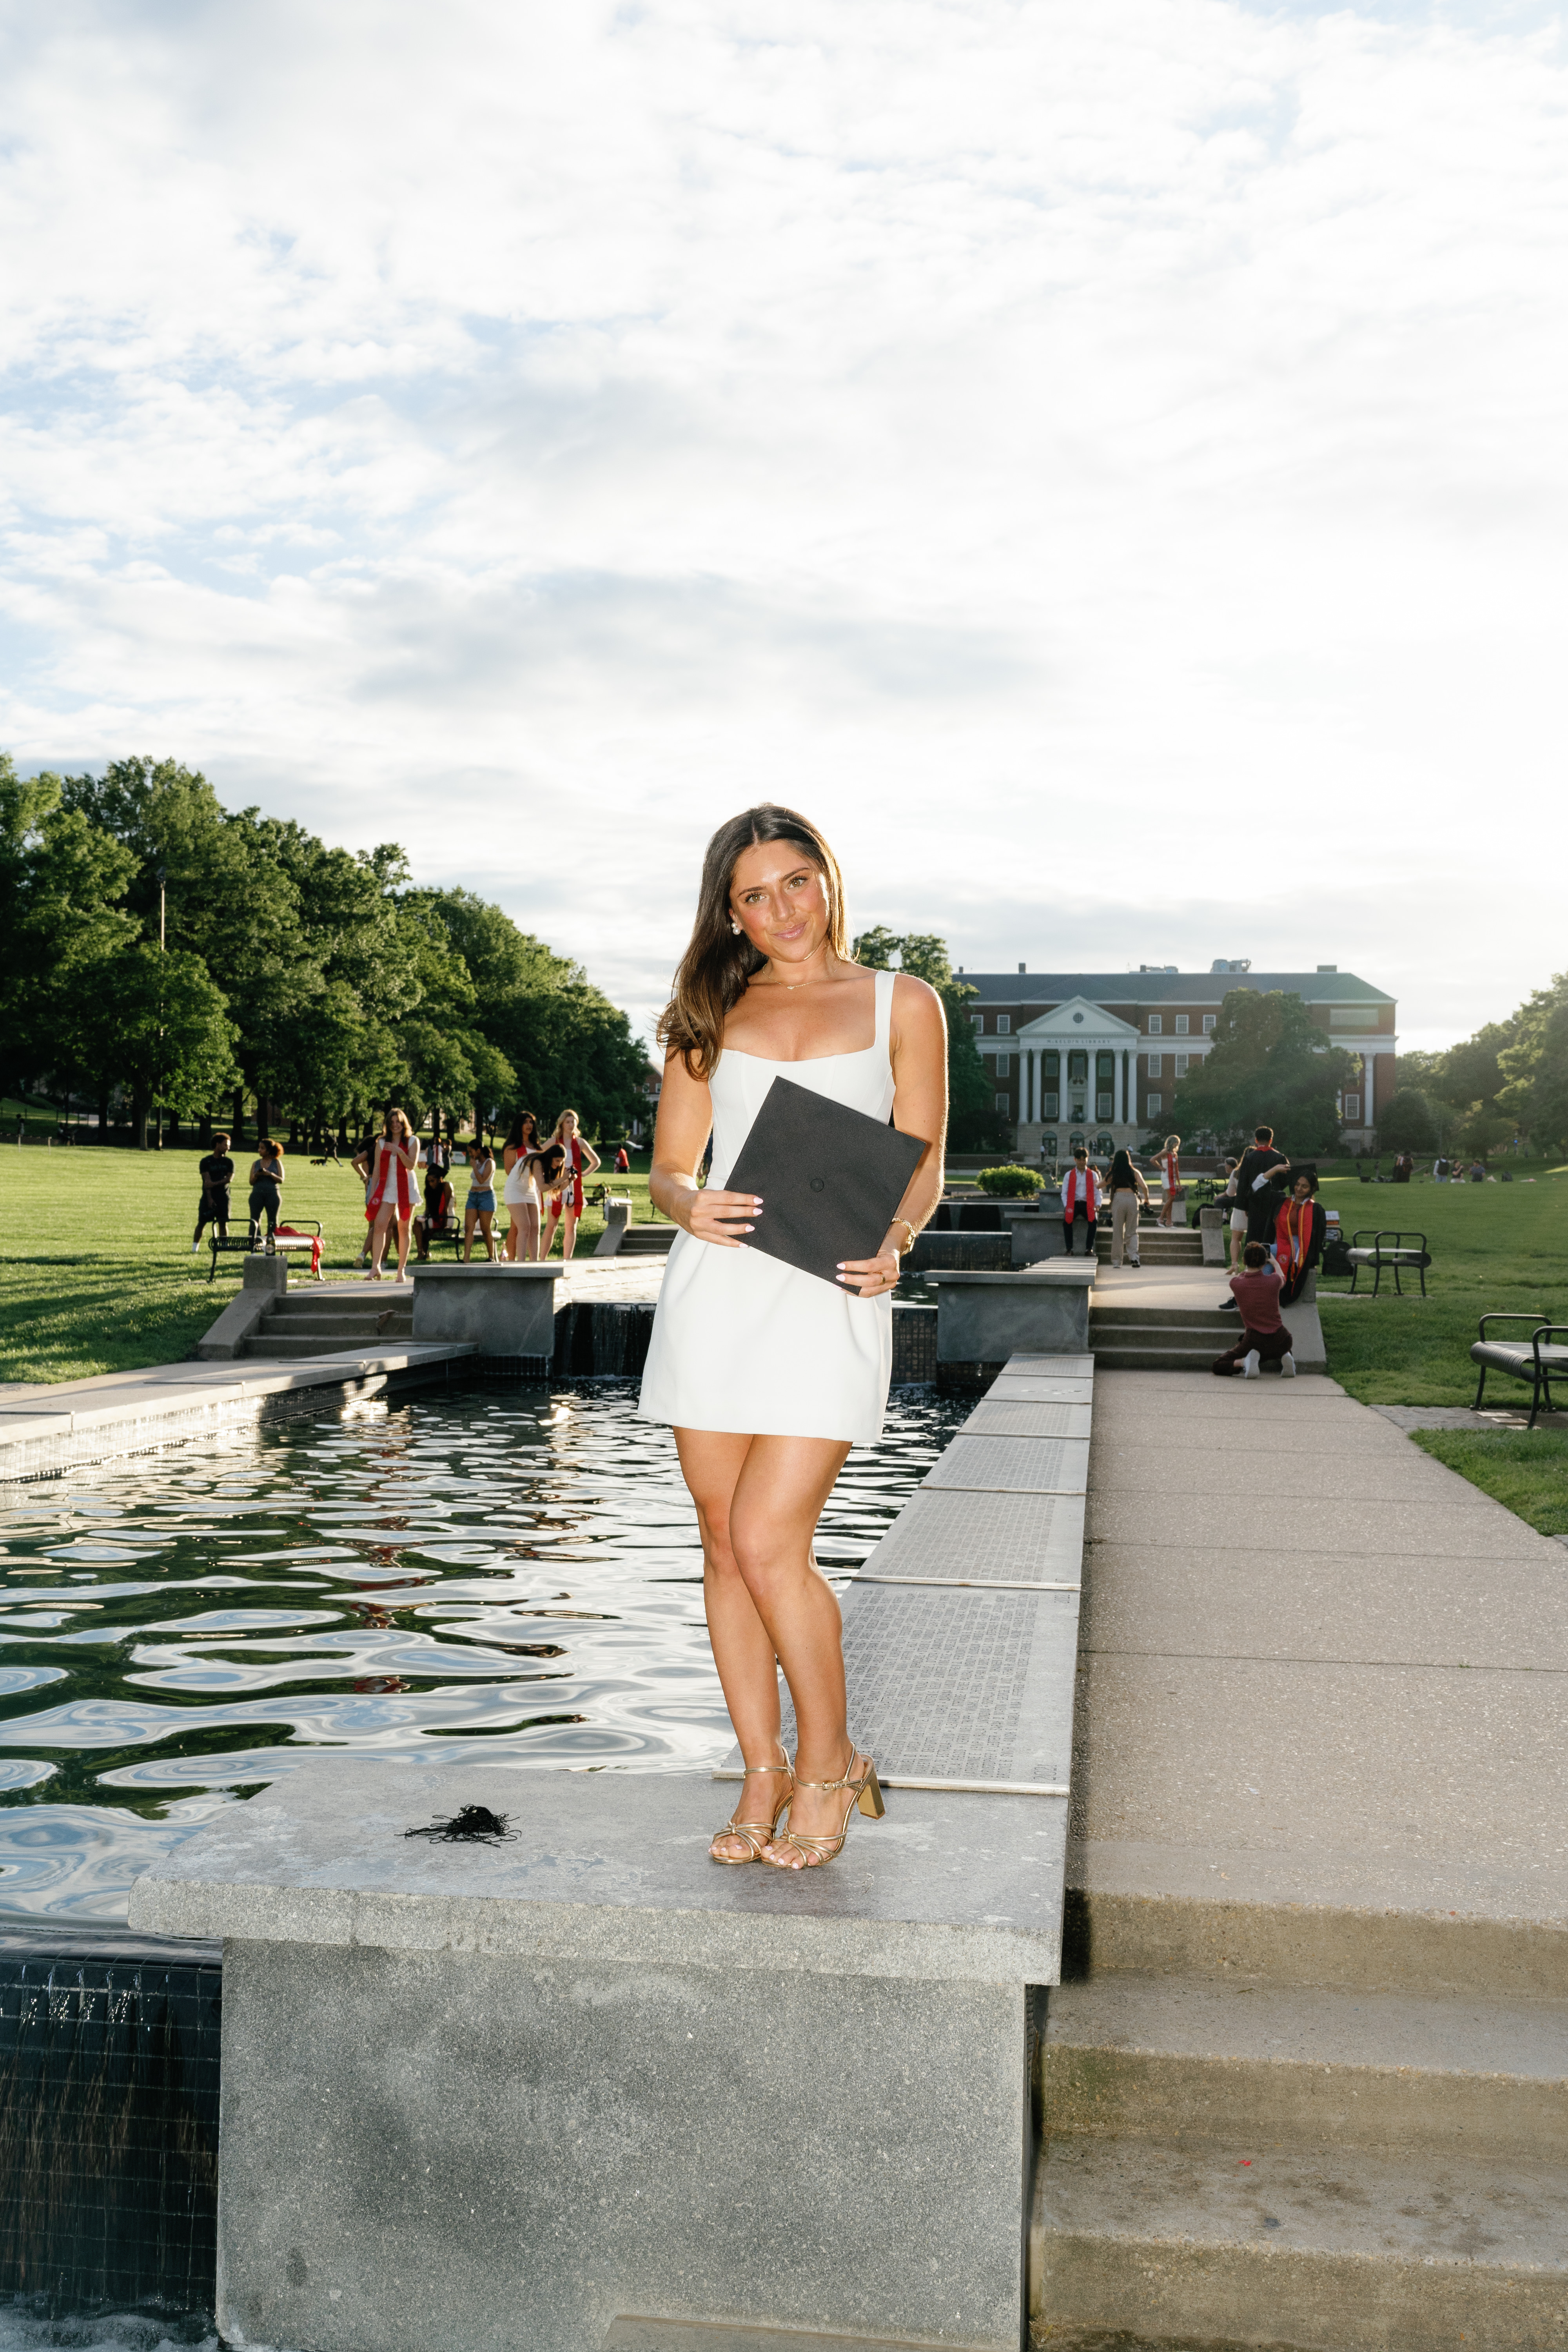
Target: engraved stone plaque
[(1001, 1417), (1029, 1388), (1014, 1465), (961, 1538), (949, 1686)]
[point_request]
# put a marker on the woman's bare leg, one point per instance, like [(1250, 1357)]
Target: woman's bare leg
[(405, 1227), (378, 1242), (530, 1231), (569, 1232), (470, 1217), (554, 1220), (758, 1502), (487, 1234)]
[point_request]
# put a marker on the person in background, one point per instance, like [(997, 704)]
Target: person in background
[(480, 1204), (217, 1172), (546, 1169), (438, 1202), (580, 1159), (623, 1161), (267, 1186), (1127, 1194), (522, 1200), (1080, 1198), (394, 1177), (1404, 1168), (1251, 1176), (1263, 1338), (1477, 1171), (1171, 1171), (1299, 1233), (1441, 1169)]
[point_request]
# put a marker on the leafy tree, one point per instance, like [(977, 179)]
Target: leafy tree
[(160, 1024), (1535, 1067), (1408, 1123), (1269, 1065), (971, 1121), (60, 880)]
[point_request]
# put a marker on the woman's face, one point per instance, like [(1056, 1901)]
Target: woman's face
[(568, 1124), (780, 900), (1301, 1188)]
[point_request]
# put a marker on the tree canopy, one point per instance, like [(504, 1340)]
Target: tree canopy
[(167, 950), (1269, 1065), (971, 1121), (1510, 1079)]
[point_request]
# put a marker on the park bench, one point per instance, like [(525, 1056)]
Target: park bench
[(251, 1245), (1389, 1248), (1528, 1359)]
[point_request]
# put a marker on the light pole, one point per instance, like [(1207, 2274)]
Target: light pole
[(163, 952)]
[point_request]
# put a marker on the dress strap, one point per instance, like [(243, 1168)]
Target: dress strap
[(885, 1008)]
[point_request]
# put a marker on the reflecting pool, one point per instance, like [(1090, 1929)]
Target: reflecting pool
[(472, 1571)]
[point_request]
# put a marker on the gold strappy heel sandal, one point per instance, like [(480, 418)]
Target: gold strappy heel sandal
[(866, 1792), (753, 1835)]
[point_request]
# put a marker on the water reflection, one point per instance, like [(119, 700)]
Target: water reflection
[(512, 1570)]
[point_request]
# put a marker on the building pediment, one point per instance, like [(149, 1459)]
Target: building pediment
[(1076, 1022)]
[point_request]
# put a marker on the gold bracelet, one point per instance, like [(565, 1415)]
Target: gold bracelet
[(909, 1230)]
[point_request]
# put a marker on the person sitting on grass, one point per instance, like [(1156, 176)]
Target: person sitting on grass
[(1263, 1338), (217, 1172)]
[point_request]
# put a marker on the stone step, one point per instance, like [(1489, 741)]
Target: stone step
[(1308, 2245), (339, 1307), (1159, 2057), (1124, 1312), (392, 1323), (286, 1344), (646, 1239)]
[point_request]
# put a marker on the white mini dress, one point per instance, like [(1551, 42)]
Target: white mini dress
[(740, 1342)]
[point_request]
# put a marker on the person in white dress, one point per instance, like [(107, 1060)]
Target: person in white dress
[(767, 1374)]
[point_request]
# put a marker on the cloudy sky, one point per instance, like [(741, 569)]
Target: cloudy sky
[(1106, 463)]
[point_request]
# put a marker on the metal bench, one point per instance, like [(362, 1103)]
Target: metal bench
[(1528, 1359), (252, 1244), (1392, 1248)]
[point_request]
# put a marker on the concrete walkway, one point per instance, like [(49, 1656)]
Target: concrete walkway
[(1310, 2082)]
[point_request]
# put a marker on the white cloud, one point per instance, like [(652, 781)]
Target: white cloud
[(1104, 463)]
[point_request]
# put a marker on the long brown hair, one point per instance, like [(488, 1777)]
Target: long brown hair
[(717, 965)]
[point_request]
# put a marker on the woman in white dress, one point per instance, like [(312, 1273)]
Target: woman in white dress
[(769, 1375)]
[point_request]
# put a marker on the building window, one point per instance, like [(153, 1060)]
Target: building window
[(1003, 1024), (1048, 1147), (1181, 1024), (1004, 1104), (1156, 1024), (1003, 1064), (1209, 1020), (1350, 1016), (1105, 1069), (1104, 1107), (977, 1021), (1353, 1110), (1157, 1064), (1182, 1062), (1154, 1105), (1105, 1143), (1050, 1105), (1077, 1069)]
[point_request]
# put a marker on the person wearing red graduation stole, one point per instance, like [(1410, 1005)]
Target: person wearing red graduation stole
[(1080, 1198), (1297, 1235)]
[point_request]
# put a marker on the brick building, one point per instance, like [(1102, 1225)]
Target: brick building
[(1096, 1056)]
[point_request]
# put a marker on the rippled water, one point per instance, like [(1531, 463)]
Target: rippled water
[(465, 1572)]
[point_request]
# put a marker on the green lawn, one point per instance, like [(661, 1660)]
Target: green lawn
[(1503, 1246), (96, 1271), (1525, 1469)]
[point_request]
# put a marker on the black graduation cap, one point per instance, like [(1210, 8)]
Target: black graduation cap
[(830, 1180)]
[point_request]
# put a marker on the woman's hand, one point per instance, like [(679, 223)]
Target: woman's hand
[(871, 1275), (722, 1218)]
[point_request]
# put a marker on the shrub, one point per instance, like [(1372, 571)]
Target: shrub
[(1013, 1183)]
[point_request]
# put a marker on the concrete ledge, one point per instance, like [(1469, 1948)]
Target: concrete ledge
[(263, 1280), (986, 1318), (499, 1309)]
